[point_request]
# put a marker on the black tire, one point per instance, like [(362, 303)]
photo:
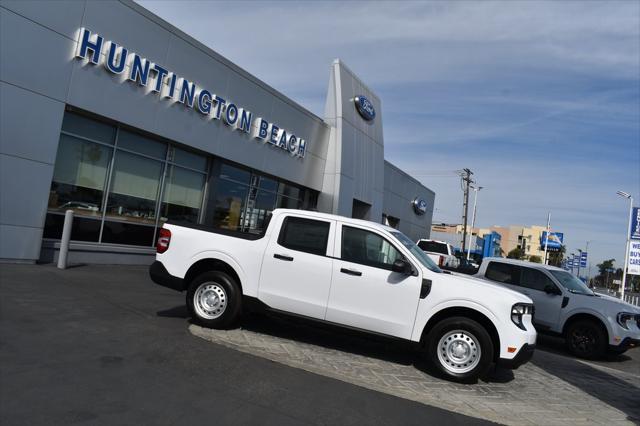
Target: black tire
[(478, 342), (586, 339), (214, 300)]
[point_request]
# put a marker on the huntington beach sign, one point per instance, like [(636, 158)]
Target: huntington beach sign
[(168, 85)]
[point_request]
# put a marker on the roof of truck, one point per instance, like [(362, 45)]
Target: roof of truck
[(328, 216), (521, 263)]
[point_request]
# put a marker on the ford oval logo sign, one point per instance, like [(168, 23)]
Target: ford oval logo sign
[(365, 108), (419, 206)]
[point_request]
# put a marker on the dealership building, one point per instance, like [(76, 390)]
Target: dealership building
[(110, 111)]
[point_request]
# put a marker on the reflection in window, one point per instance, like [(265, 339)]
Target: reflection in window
[(83, 168), (229, 204), (134, 188), (305, 235), (79, 176), (92, 129), (367, 248), (188, 159), (259, 208), (136, 143), (233, 173), (182, 196)]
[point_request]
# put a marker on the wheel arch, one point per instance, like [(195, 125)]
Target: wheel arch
[(211, 264), (458, 311), (585, 316)]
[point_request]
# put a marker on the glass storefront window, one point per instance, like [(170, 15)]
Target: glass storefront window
[(288, 203), (229, 202), (182, 196), (233, 173), (146, 146), (137, 170), (258, 210), (289, 190), (188, 159), (92, 129), (134, 188), (79, 176)]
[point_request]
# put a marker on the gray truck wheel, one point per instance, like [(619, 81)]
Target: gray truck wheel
[(214, 299)]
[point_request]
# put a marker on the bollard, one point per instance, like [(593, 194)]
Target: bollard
[(64, 241)]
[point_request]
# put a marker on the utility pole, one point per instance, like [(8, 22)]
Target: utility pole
[(546, 240), (476, 189), (466, 183)]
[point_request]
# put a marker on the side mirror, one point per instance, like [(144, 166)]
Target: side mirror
[(551, 289), (401, 266)]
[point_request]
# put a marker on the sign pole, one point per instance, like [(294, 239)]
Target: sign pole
[(626, 250), (546, 240)]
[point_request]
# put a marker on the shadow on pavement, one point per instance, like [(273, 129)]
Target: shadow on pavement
[(613, 391), (175, 312), (556, 345), (351, 341)]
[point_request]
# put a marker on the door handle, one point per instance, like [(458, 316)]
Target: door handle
[(350, 272), (283, 257)]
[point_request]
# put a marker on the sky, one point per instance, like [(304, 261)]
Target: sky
[(540, 99)]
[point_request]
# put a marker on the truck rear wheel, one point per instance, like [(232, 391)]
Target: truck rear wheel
[(214, 299), (460, 348)]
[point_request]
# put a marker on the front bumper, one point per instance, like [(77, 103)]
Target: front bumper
[(161, 276), (522, 357), (628, 343)]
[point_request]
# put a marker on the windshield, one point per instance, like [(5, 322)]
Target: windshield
[(416, 251), (571, 282)]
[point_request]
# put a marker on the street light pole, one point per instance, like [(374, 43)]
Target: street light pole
[(626, 248), (473, 218), (588, 263), (546, 241)]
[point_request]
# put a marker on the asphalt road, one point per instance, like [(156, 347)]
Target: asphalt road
[(103, 345)]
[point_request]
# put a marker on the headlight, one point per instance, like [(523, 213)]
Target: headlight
[(518, 311), (624, 318)]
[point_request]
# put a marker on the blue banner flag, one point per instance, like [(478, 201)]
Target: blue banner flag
[(635, 224)]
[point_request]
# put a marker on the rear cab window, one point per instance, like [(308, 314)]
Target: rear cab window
[(433, 247), (503, 273), (305, 235)]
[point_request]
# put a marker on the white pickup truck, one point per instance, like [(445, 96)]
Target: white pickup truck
[(351, 273), (441, 252)]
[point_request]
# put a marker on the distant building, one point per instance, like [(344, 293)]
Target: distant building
[(520, 236)]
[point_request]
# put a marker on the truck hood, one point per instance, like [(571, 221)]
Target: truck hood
[(454, 279), (607, 303)]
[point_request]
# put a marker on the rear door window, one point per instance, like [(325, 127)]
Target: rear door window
[(306, 235), (503, 272)]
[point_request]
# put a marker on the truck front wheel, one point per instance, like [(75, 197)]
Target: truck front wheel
[(460, 348), (214, 299)]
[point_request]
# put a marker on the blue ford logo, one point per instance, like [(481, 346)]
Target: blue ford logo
[(419, 206), (365, 108)]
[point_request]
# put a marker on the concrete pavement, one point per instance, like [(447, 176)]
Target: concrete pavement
[(103, 345)]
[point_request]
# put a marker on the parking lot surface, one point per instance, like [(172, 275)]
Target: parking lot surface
[(552, 389), (103, 345)]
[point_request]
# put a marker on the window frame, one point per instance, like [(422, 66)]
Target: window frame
[(165, 162), (377, 266)]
